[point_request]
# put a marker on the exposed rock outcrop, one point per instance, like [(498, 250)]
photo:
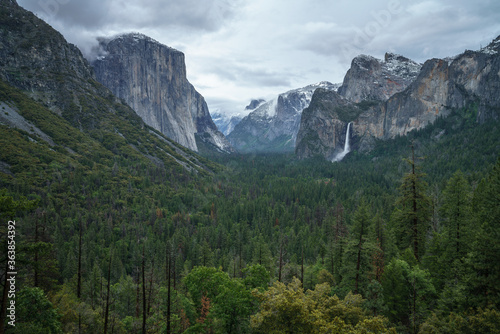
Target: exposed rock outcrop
[(471, 80), (373, 79), (151, 78), (273, 126), (38, 61), (226, 123)]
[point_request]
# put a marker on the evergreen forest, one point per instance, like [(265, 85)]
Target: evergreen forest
[(107, 239)]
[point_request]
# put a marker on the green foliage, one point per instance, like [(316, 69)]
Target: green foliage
[(485, 255), (35, 313), (457, 216), (288, 309), (411, 218), (346, 113), (10, 208), (357, 263), (233, 307), (480, 321), (408, 293), (256, 277), (117, 181), (205, 281)]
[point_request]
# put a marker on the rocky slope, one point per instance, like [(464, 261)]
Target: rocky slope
[(37, 60), (273, 125), (373, 79), (151, 78), (227, 123), (470, 80)]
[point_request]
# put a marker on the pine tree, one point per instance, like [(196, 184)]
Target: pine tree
[(456, 211), (412, 216), (357, 257), (485, 257)]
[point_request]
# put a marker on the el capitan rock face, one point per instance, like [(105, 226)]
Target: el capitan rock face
[(151, 78), (37, 60), (472, 78)]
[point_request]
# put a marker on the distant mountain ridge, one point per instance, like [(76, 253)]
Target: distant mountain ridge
[(151, 78), (226, 123), (469, 80), (273, 125)]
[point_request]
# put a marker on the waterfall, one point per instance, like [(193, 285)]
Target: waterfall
[(347, 148)]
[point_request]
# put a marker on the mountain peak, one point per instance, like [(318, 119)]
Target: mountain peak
[(133, 64), (136, 36), (132, 38), (493, 47), (10, 2), (254, 104), (389, 56), (370, 78)]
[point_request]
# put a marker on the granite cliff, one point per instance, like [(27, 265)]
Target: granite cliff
[(372, 79), (38, 61), (273, 125), (151, 78), (469, 80), (226, 123)]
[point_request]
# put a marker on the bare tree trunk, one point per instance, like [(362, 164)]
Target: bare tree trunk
[(137, 292), (79, 283), (358, 262), (35, 267), (150, 293), (414, 197), (302, 267), (106, 313), (3, 310), (143, 293), (169, 270), (281, 261)]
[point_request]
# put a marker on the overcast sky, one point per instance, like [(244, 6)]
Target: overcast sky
[(237, 50)]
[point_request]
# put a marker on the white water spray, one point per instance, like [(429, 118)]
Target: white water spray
[(347, 148)]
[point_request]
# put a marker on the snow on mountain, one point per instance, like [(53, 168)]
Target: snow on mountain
[(273, 125), (370, 78), (225, 123), (493, 48)]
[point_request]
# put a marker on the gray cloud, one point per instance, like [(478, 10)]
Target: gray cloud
[(419, 29), (206, 15), (238, 49), (252, 74), (82, 21)]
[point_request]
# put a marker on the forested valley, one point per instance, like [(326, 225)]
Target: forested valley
[(402, 239)]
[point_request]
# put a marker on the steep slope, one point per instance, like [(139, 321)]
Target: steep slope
[(227, 123), (273, 126), (323, 125), (151, 78), (373, 79), (87, 122), (470, 80)]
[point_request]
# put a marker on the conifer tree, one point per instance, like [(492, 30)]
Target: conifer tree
[(485, 257), (456, 211), (357, 257), (411, 218)]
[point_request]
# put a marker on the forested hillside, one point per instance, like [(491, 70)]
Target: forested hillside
[(110, 239), (108, 226)]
